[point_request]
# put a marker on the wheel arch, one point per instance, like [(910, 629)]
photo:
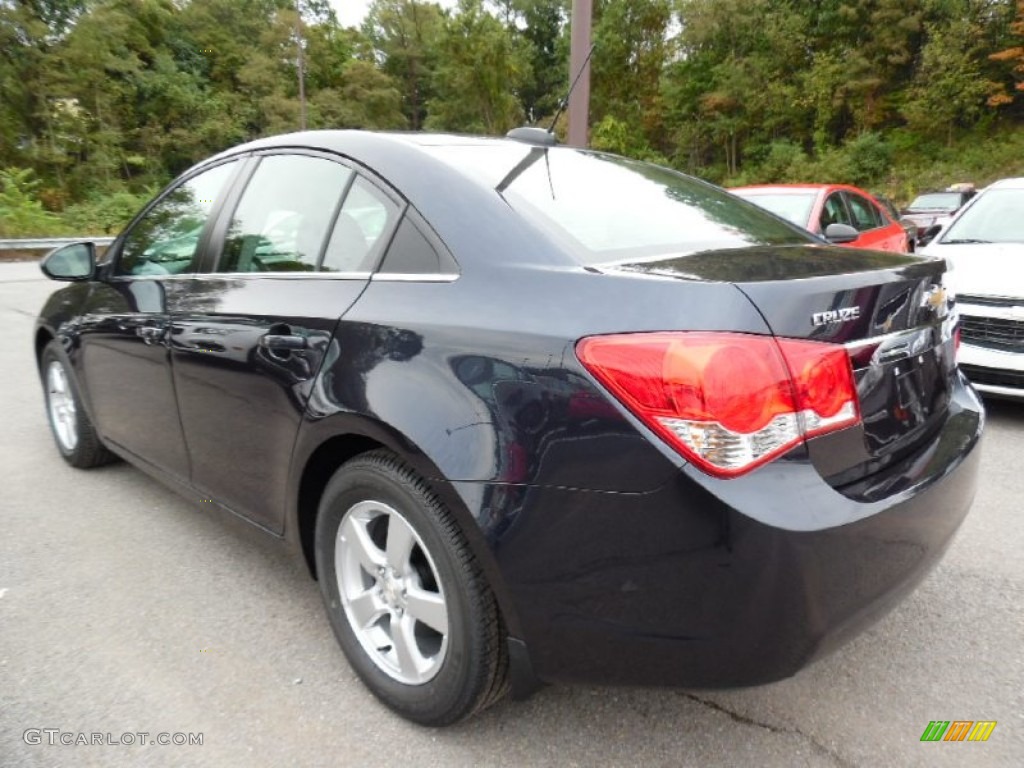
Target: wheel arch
[(43, 337), (324, 448)]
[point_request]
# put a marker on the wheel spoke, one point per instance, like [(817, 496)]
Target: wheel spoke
[(360, 544), (429, 608), (400, 543), (61, 403), (406, 652), (367, 608)]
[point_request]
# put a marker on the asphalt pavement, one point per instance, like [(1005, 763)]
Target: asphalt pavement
[(125, 609)]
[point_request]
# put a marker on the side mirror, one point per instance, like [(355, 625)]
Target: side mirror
[(840, 233), (929, 234), (70, 262)]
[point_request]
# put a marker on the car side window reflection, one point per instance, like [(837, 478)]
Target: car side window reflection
[(834, 212), (865, 216), (164, 240), (284, 215), (359, 235)]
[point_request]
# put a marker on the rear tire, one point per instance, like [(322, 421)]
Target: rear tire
[(74, 433), (405, 596)]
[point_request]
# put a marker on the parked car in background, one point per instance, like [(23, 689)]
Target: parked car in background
[(984, 244), (856, 219), (932, 209), (528, 412), (894, 213)]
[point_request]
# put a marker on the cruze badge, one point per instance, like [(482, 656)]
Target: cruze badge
[(936, 297), (832, 316)]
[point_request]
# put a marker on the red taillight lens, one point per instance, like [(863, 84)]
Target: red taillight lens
[(727, 401)]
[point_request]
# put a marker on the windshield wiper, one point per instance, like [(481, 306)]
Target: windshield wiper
[(965, 241)]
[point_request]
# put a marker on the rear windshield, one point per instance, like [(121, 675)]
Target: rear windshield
[(605, 209), (936, 201), (792, 206)]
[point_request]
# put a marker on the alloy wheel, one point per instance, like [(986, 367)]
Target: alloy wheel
[(391, 593)]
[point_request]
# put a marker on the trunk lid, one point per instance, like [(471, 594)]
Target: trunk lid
[(891, 312)]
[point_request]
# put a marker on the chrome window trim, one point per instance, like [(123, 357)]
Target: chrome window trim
[(251, 275), (382, 277), (403, 277)]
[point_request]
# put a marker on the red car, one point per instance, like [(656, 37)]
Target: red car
[(821, 207)]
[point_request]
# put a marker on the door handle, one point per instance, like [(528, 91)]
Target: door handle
[(275, 342), (150, 333)]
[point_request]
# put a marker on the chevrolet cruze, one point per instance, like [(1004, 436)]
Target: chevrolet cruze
[(529, 413)]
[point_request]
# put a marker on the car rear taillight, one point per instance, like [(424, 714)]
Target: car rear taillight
[(728, 402)]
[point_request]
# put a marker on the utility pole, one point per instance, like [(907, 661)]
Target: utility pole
[(301, 61), (579, 99)]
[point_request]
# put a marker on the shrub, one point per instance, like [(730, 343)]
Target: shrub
[(21, 213)]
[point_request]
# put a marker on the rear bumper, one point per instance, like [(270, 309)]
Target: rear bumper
[(710, 583)]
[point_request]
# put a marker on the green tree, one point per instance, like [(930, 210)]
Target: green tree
[(631, 49), (405, 35), (1013, 58), (481, 67), (948, 87)]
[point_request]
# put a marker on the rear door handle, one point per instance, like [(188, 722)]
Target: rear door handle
[(283, 342), (150, 333)]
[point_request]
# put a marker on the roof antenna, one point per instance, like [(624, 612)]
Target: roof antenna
[(546, 138), (565, 101)]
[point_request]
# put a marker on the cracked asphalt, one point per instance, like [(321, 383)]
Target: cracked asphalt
[(124, 609)]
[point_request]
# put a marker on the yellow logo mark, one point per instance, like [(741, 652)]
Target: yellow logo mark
[(982, 730), (936, 297)]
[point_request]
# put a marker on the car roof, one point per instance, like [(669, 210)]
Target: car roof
[(1014, 183), (797, 188), (783, 188), (404, 161)]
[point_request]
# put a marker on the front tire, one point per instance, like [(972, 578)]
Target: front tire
[(73, 431), (405, 596)]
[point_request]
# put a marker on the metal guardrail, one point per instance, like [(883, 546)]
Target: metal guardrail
[(49, 243)]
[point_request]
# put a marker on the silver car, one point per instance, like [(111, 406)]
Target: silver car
[(984, 244)]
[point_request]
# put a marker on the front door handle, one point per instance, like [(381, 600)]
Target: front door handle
[(275, 342)]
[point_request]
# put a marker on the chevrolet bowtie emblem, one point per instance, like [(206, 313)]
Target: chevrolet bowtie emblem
[(936, 297)]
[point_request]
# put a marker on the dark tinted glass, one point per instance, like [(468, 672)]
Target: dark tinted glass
[(164, 241), (410, 252), (834, 212), (283, 217), (360, 233), (605, 208)]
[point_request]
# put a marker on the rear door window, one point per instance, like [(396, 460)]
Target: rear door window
[(361, 230), (865, 215)]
